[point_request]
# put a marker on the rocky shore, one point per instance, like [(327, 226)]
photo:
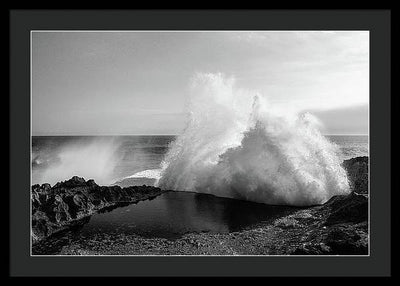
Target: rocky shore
[(340, 226), (357, 172), (68, 203)]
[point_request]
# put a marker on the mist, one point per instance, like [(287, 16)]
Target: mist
[(91, 159), (237, 145)]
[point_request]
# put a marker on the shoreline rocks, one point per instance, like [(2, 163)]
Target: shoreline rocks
[(339, 226), (302, 232), (67, 203), (357, 173)]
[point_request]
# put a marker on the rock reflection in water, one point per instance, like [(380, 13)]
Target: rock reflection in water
[(169, 216)]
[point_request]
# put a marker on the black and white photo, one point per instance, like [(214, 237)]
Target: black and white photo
[(200, 143)]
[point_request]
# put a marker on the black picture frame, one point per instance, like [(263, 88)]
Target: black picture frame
[(378, 22)]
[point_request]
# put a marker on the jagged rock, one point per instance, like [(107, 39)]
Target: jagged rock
[(66, 203), (351, 208), (312, 249), (357, 172), (343, 229), (340, 226), (347, 239)]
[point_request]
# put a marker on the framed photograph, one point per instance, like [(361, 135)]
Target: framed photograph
[(200, 143)]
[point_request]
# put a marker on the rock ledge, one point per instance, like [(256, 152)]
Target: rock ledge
[(68, 203)]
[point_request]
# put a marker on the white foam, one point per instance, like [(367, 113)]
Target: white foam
[(237, 145), (93, 159), (149, 174)]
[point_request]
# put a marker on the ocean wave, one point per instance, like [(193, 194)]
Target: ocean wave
[(237, 145), (149, 174)]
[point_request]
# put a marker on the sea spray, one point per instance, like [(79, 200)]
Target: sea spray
[(95, 159), (237, 145)]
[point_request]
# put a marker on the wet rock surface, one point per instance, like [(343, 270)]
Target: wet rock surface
[(67, 203), (338, 227), (357, 172)]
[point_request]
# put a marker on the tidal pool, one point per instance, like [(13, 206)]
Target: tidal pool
[(169, 216)]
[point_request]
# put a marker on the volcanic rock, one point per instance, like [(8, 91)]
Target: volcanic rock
[(59, 207), (357, 172)]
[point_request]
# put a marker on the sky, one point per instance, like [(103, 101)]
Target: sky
[(114, 83)]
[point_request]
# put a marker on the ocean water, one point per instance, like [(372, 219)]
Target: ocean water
[(106, 159), (126, 160), (169, 216), (350, 146), (135, 160)]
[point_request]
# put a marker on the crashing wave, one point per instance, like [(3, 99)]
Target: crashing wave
[(237, 145)]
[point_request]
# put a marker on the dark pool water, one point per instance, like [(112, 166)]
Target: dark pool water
[(170, 216)]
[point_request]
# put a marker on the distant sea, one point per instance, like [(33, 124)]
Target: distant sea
[(126, 160)]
